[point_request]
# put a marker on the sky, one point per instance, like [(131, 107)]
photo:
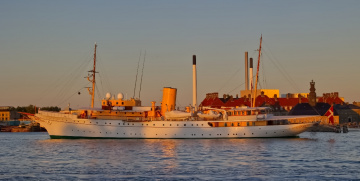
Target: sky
[(46, 48)]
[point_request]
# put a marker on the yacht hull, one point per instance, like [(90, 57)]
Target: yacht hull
[(69, 126)]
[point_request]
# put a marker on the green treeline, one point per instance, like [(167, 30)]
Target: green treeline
[(31, 109)]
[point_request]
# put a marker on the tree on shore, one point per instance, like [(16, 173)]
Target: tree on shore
[(31, 109)]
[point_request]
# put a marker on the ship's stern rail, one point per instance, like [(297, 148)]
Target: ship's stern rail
[(300, 119)]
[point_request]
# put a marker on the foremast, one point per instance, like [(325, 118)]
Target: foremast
[(257, 74), (92, 80)]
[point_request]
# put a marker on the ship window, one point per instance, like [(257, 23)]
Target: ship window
[(232, 124), (192, 124), (184, 124), (248, 113), (123, 123), (225, 124), (247, 123), (128, 123), (147, 124), (197, 124), (238, 124), (117, 103), (177, 124), (122, 103), (163, 124), (170, 124), (153, 124)]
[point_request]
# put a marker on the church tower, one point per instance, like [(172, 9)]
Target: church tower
[(312, 94)]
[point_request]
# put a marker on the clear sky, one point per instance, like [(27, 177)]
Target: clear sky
[(46, 48)]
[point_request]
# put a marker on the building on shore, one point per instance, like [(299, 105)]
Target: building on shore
[(295, 104), (8, 113), (8, 116)]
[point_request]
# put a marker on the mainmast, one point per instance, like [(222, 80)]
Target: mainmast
[(92, 91), (257, 73)]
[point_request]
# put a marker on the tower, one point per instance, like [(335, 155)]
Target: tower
[(312, 94)]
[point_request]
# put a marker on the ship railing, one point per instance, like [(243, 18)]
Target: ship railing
[(56, 114)]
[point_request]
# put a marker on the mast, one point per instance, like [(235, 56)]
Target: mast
[(92, 91), (257, 73)]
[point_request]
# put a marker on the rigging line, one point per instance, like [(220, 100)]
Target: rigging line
[(287, 77), (66, 85), (73, 94), (142, 73), (137, 71), (235, 88), (105, 77), (98, 94), (61, 81), (233, 75), (295, 86), (263, 73), (76, 73)]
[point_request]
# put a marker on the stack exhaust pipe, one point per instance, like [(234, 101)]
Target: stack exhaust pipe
[(251, 73), (194, 84), (246, 72)]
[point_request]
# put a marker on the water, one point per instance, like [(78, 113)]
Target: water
[(314, 156)]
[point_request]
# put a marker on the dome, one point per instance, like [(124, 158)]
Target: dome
[(108, 96), (120, 96)]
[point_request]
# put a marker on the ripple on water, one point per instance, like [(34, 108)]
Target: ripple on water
[(314, 156)]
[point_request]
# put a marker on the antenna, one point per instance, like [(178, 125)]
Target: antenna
[(137, 71), (142, 73)]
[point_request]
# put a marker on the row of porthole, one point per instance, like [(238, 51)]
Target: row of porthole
[(163, 124), (184, 134)]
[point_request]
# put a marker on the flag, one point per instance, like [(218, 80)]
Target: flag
[(330, 115)]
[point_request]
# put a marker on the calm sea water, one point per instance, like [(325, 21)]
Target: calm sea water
[(315, 156)]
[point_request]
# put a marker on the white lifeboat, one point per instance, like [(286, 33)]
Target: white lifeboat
[(210, 115), (177, 115)]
